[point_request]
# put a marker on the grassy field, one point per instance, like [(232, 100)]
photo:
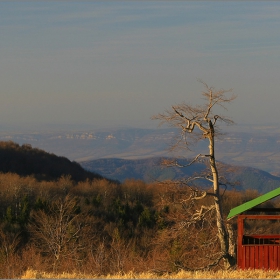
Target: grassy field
[(222, 274)]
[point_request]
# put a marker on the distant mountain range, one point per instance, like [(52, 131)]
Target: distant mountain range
[(151, 169), (247, 146)]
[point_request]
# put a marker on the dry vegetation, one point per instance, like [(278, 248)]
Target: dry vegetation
[(99, 228), (222, 274)]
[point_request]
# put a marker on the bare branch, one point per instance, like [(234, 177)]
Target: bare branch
[(174, 162)]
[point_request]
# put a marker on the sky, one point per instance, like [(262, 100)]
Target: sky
[(117, 63)]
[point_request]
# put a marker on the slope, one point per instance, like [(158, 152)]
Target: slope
[(25, 160)]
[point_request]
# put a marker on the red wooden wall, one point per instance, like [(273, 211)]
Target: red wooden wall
[(257, 251), (259, 257)]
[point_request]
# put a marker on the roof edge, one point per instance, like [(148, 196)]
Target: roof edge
[(252, 203)]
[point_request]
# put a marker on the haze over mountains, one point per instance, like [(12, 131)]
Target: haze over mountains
[(254, 146)]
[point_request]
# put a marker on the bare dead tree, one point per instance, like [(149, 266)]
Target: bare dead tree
[(197, 123)]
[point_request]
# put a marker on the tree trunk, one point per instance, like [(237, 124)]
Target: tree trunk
[(222, 231)]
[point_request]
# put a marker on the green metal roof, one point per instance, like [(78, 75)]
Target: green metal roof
[(252, 203)]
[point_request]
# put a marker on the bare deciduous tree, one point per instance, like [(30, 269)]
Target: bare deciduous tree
[(57, 229), (201, 123)]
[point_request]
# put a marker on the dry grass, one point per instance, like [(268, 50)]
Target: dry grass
[(222, 274)]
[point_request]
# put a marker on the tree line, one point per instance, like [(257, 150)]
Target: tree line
[(100, 227)]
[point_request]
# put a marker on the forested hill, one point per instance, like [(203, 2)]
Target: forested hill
[(25, 160)]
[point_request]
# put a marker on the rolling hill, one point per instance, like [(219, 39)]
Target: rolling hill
[(151, 169)]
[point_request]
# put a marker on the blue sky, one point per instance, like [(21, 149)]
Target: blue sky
[(117, 63)]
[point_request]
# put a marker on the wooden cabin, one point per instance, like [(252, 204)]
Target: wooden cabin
[(257, 250)]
